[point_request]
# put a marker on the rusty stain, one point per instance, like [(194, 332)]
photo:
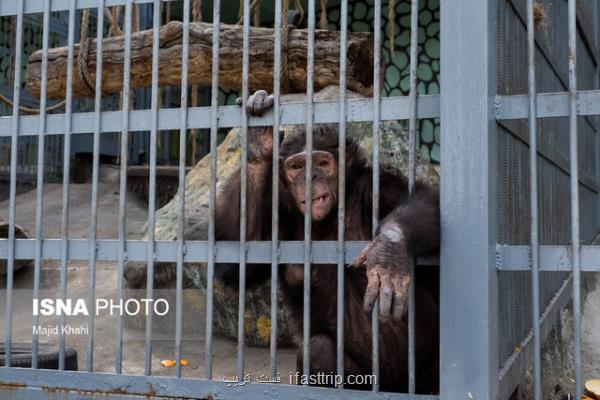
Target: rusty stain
[(12, 386), (151, 394), (539, 14)]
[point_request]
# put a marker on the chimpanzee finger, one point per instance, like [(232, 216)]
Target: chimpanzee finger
[(400, 282), (372, 290), (385, 296), (362, 257), (258, 103)]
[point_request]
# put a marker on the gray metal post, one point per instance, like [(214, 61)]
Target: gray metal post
[(468, 297)]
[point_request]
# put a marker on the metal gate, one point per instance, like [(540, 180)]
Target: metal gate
[(473, 109)]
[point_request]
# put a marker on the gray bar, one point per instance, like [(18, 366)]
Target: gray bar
[(122, 232), (324, 252), (468, 278), (39, 195), (10, 265), (244, 192), (162, 386), (342, 191), (574, 172), (376, 131), (412, 137), (358, 110), (64, 229), (214, 118), (95, 173), (181, 189), (310, 60), (275, 191), (548, 105), (152, 181), (32, 7), (552, 258), (533, 205)]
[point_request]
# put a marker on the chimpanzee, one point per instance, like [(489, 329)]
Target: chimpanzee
[(409, 227)]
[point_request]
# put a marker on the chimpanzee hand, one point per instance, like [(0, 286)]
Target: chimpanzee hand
[(260, 139), (257, 103), (388, 271)]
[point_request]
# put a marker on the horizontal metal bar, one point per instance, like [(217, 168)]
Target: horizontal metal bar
[(10, 7), (552, 258), (548, 105), (517, 364), (324, 252), (358, 110), (157, 386), (25, 393)]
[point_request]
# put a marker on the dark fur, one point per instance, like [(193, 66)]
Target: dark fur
[(419, 219)]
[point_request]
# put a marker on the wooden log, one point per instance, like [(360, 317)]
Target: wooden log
[(327, 46)]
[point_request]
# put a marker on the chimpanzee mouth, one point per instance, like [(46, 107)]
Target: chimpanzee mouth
[(319, 199)]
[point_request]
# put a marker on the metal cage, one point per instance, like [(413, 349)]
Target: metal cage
[(509, 255)]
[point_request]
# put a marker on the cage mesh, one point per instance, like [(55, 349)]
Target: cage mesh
[(513, 214)]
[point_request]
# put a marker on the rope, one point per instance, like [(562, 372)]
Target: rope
[(254, 10), (197, 10), (28, 110), (196, 17), (136, 18), (298, 6), (392, 25), (82, 55), (9, 102), (323, 21), (285, 31), (116, 13)]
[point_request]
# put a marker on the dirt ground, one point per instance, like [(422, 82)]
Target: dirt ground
[(225, 350)]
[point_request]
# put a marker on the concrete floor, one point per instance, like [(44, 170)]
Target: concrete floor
[(106, 282)]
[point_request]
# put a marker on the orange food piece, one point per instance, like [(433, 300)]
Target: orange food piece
[(593, 387), (167, 363), (184, 362)]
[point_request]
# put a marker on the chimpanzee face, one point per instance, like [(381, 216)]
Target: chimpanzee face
[(324, 182)]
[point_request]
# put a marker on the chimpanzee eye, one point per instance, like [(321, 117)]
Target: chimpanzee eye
[(323, 163), (296, 166)]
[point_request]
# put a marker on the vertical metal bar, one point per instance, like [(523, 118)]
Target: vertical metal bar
[(10, 265), (95, 173), (183, 111), (533, 188), (275, 191), (122, 231), (376, 133), (152, 181), (412, 135), (468, 281), (64, 229), (574, 172), (342, 190), (596, 25), (244, 191), (39, 196), (310, 59), (214, 115)]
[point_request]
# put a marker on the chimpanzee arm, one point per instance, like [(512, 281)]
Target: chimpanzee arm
[(418, 220), (258, 199), (411, 228)]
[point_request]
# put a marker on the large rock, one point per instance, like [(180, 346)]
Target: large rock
[(20, 233), (394, 151)]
